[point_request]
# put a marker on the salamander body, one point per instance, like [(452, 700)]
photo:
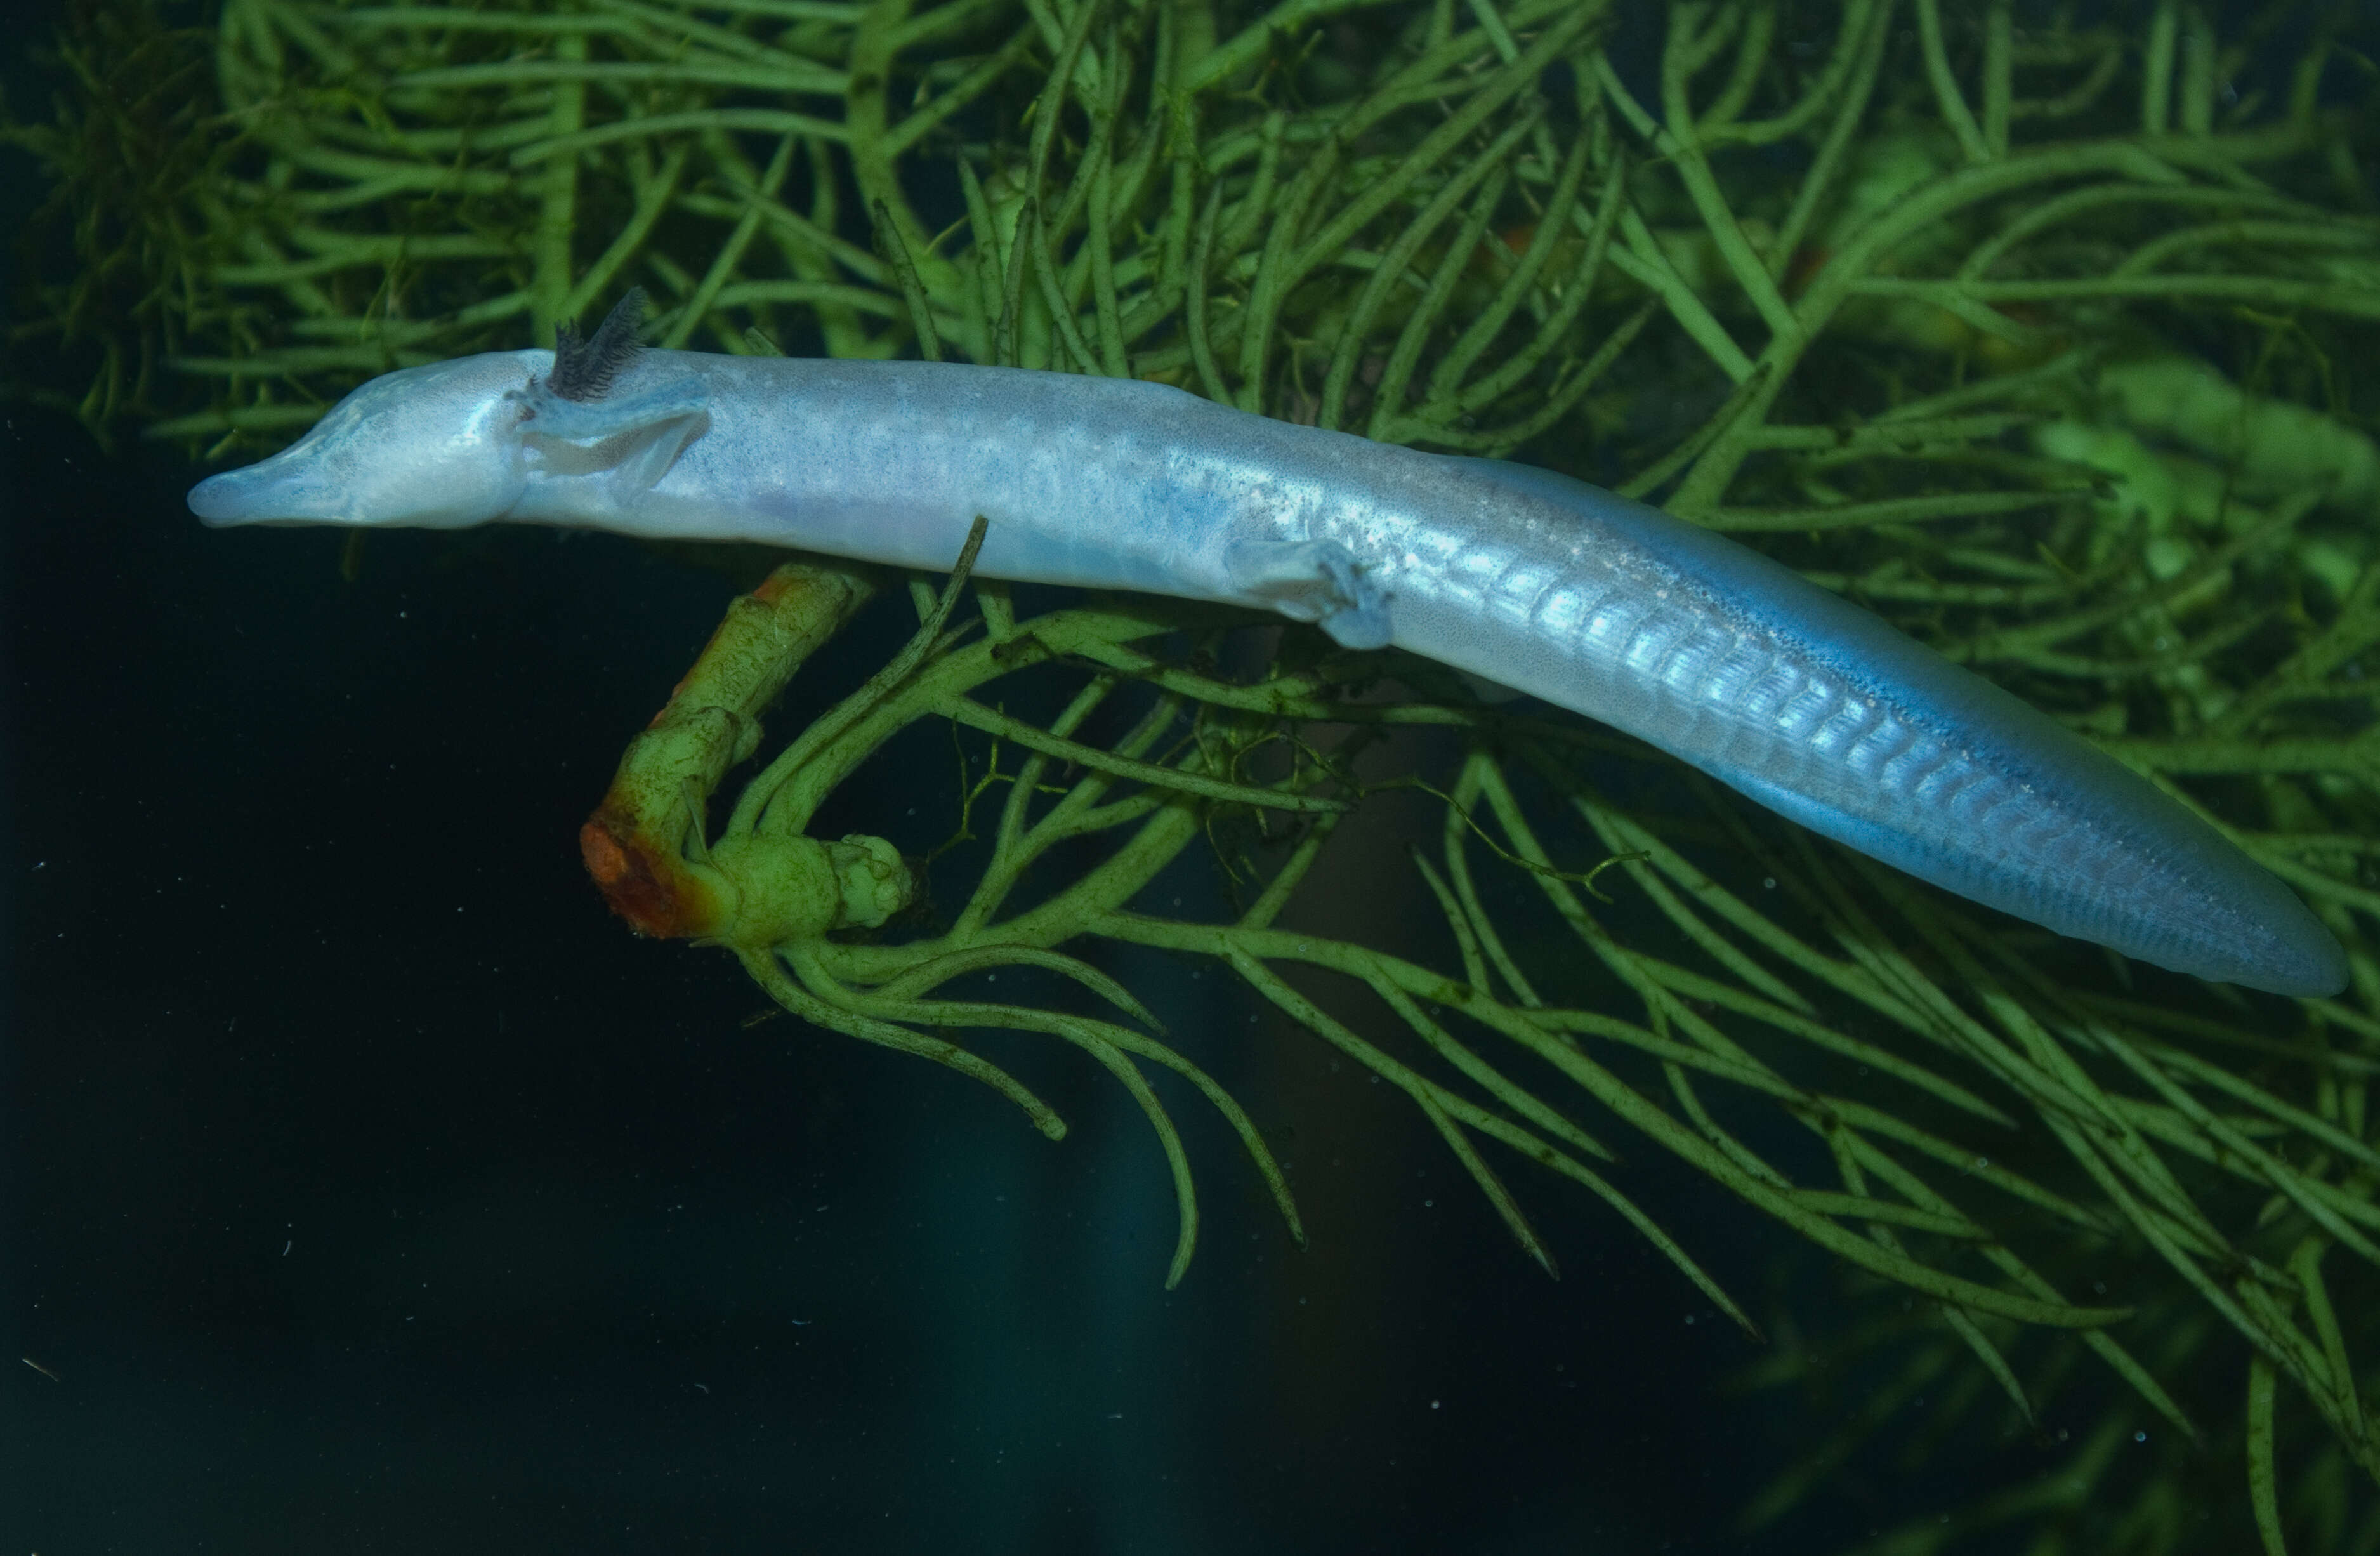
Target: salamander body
[(1602, 605)]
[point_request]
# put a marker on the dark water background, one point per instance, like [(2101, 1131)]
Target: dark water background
[(366, 1187), (370, 1188)]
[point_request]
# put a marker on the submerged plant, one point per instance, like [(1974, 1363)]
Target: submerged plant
[(2042, 340)]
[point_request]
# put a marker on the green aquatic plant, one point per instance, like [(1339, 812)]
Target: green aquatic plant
[(2044, 340)]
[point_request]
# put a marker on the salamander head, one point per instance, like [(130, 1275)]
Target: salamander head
[(437, 445)]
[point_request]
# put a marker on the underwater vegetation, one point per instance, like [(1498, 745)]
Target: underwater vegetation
[(2042, 331)]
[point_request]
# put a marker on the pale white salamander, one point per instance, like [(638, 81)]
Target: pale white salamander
[(1615, 610)]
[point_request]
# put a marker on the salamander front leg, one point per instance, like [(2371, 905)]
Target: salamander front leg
[(637, 437), (579, 420)]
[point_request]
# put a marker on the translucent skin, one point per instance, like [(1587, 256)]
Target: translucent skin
[(1679, 637)]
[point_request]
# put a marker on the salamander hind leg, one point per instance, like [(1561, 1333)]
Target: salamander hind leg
[(1318, 581)]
